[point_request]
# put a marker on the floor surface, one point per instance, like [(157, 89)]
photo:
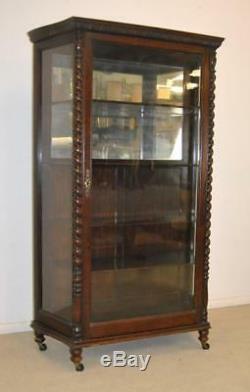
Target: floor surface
[(178, 364)]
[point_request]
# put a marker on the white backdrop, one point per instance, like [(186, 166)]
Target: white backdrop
[(230, 261)]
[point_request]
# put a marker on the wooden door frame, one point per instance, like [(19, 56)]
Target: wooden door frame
[(83, 77)]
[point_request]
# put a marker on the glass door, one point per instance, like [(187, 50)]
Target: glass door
[(145, 164)]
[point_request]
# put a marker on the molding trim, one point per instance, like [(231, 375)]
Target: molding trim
[(227, 302), (108, 27), (23, 326)]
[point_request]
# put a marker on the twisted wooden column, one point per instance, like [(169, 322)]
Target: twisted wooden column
[(203, 334)]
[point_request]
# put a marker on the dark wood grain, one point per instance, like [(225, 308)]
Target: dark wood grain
[(79, 328), (88, 342), (37, 272), (99, 26), (76, 358), (77, 288), (87, 182), (203, 335)]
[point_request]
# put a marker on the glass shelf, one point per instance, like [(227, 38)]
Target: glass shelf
[(138, 132), (143, 162), (143, 103)]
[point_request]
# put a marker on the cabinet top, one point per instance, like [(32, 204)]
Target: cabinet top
[(99, 26)]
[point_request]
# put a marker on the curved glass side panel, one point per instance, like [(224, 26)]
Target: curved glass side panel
[(56, 180)]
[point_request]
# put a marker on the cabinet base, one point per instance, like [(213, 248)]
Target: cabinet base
[(76, 346)]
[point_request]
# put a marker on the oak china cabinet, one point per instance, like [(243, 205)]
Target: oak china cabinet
[(123, 143)]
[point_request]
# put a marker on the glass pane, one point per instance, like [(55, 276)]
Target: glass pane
[(126, 131), (145, 160), (115, 86), (56, 178), (174, 80), (61, 103)]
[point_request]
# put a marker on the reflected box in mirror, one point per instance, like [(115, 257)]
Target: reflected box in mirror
[(62, 85), (168, 134), (61, 147), (114, 91), (116, 86), (170, 86)]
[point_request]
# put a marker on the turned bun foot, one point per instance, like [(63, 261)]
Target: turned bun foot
[(79, 367), (76, 358), (42, 346), (203, 337), (205, 346), (40, 339)]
